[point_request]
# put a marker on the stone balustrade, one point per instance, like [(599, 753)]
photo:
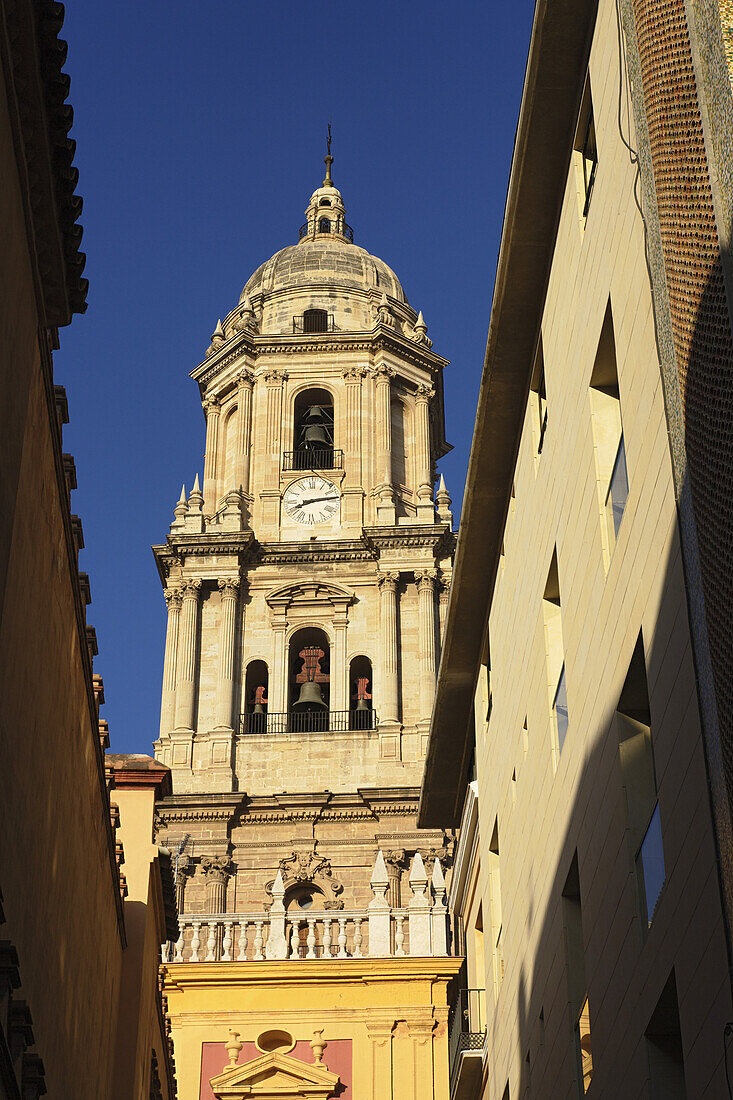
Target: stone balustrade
[(379, 931)]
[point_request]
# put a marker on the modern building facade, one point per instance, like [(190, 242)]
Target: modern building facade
[(306, 577), (581, 736), (77, 998)]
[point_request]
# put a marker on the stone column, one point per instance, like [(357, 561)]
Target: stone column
[(352, 496), (443, 597), (211, 408), (168, 704), (426, 639), (216, 870), (339, 676), (270, 477), (182, 863), (395, 861), (278, 687), (352, 425), (245, 383), (387, 705), (274, 380), (186, 686), (384, 375), (227, 630), (426, 508)]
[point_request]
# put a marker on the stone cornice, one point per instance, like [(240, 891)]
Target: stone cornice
[(379, 339), (437, 537)]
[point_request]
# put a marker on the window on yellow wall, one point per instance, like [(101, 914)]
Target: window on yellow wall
[(554, 649), (572, 911), (538, 404), (608, 438), (585, 151), (636, 756), (496, 914)]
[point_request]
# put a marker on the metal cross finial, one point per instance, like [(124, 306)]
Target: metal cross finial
[(328, 159)]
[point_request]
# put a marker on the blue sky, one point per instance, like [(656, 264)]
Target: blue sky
[(200, 132)]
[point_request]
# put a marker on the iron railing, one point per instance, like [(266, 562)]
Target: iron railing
[(467, 1025), (313, 458), (342, 227), (325, 324), (313, 721)]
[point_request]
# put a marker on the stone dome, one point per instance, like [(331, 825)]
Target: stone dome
[(323, 259)]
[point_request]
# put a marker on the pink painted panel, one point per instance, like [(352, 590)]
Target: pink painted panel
[(336, 1057)]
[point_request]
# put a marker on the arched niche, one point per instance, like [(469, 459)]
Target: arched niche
[(256, 685), (228, 451), (313, 430)]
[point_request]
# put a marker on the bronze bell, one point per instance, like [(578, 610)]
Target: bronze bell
[(362, 704), (315, 436), (258, 709), (310, 697)]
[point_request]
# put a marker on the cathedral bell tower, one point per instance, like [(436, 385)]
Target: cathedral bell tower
[(306, 575), (305, 578)]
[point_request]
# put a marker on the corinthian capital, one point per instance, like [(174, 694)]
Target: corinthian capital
[(229, 587), (211, 406), (245, 379), (275, 377), (216, 868), (383, 373), (424, 393), (190, 589), (172, 597), (426, 578), (388, 581)]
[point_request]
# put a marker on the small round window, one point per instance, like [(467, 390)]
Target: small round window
[(305, 901)]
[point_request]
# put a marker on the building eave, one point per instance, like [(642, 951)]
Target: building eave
[(32, 58), (553, 85)]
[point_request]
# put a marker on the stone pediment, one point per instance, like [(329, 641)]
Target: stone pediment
[(309, 594), (275, 1076)]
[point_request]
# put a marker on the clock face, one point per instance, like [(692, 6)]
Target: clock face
[(311, 500)]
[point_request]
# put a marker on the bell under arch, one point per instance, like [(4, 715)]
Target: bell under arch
[(313, 430), (309, 679)]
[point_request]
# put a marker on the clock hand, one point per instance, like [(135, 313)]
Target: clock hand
[(317, 500)]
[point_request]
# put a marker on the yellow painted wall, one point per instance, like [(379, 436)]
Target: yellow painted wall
[(394, 1011)]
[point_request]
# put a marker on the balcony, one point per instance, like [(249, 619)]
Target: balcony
[(467, 1031), (313, 325), (319, 721), (313, 458), (343, 228)]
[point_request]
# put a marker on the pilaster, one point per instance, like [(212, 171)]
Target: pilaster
[(168, 703), (212, 410), (426, 639), (245, 384), (425, 506), (186, 685)]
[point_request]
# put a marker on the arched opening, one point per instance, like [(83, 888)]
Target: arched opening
[(400, 431), (228, 453), (324, 202), (324, 225), (361, 707), (303, 896), (313, 431), (308, 680), (315, 320), (254, 719)]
